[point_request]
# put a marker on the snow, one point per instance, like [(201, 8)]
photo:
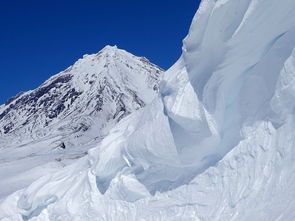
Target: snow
[(283, 100), (217, 143), (97, 92)]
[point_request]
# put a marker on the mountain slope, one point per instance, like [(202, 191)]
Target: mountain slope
[(71, 112), (225, 150), (112, 78)]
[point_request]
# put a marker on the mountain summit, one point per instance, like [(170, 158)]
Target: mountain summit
[(112, 79), (72, 111)]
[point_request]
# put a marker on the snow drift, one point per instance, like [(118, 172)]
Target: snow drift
[(217, 144)]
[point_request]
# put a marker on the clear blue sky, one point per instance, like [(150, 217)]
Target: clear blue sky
[(39, 38)]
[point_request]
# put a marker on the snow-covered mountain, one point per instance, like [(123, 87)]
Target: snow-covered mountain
[(108, 85), (218, 143), (70, 113)]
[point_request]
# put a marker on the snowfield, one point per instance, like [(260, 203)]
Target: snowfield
[(216, 144)]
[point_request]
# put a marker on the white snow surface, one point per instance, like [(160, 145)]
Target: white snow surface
[(218, 143)]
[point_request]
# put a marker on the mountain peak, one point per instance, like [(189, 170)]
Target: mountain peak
[(112, 71), (109, 47), (74, 109)]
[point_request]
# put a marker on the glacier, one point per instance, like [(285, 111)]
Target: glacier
[(217, 143)]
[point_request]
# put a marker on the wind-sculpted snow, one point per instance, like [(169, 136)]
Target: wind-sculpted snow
[(216, 144)]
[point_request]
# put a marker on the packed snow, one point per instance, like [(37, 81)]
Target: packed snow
[(217, 143)]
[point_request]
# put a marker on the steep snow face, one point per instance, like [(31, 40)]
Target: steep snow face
[(234, 62), (217, 144), (48, 127)]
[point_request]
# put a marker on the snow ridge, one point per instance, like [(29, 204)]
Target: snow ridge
[(225, 150)]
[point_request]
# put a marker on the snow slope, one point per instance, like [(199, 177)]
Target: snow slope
[(76, 107), (217, 143)]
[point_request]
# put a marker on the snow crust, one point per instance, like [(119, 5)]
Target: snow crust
[(216, 144)]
